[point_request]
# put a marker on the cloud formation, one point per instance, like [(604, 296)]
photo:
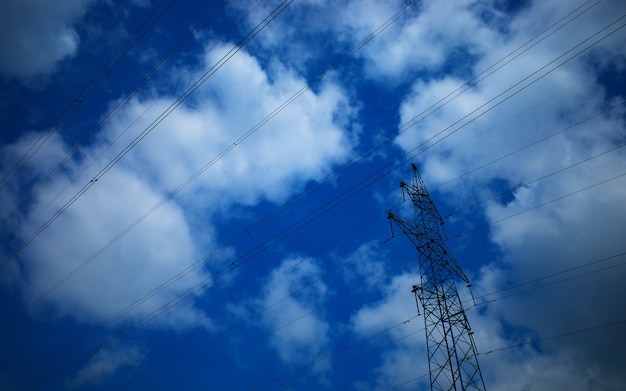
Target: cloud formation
[(555, 123), (37, 35), (308, 337), (509, 130), (300, 144), (548, 126), (105, 363), (403, 361)]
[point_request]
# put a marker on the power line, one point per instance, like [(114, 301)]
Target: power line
[(210, 163), (527, 110), (197, 174), (531, 181), (192, 291), (195, 288), (422, 329), (89, 88), (247, 134), (579, 331), (461, 89), (112, 113), (601, 260), (538, 206), (203, 366), (563, 280), (118, 316), (275, 277), (411, 154), (262, 337), (487, 108), (393, 342), (490, 70), (537, 340), (334, 353), (367, 338), (261, 26), (534, 143), (404, 383), (351, 360), (190, 37), (184, 296)]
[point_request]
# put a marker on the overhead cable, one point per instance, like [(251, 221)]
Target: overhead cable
[(111, 114), (89, 88), (275, 13)]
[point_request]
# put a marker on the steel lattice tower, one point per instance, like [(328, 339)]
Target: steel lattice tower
[(452, 357)]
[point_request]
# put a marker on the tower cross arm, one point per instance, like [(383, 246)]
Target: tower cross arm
[(420, 240)]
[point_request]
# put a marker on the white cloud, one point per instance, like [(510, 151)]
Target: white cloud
[(309, 138), (132, 267), (421, 40), (404, 359), (394, 307), (563, 234), (528, 366), (104, 363), (300, 144), (37, 35), (511, 360), (308, 337), (363, 264), (544, 366)]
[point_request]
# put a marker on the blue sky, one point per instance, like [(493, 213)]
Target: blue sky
[(194, 195)]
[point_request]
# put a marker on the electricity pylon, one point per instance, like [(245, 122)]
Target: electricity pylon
[(452, 360)]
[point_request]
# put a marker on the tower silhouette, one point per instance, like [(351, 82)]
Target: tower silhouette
[(452, 357)]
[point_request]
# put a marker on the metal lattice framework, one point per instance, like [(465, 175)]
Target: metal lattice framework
[(452, 360)]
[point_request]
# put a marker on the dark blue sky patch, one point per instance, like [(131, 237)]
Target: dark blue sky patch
[(613, 79), (502, 186), (512, 7), (460, 62)]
